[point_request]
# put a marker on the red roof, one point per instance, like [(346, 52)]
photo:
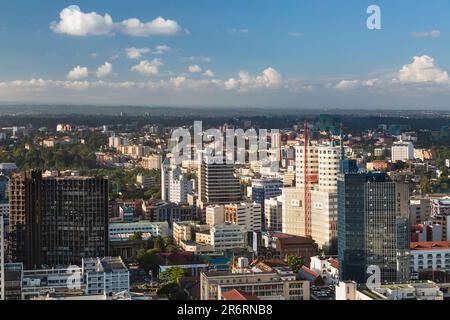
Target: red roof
[(309, 271), (430, 245), (236, 295), (334, 263)]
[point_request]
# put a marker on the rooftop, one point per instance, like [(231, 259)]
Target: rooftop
[(236, 295), (430, 245)]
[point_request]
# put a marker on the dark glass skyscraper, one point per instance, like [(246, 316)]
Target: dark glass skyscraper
[(57, 220), (373, 227)]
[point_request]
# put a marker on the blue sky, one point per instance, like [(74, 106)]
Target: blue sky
[(289, 53)]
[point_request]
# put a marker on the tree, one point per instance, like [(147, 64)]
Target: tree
[(295, 262), (148, 259), (319, 282), (136, 236), (160, 244), (172, 291), (173, 275)]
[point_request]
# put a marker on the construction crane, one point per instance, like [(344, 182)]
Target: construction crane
[(307, 179)]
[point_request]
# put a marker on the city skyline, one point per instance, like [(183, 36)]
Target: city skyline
[(254, 54)]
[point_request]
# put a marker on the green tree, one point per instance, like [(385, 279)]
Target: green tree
[(136, 236), (148, 259), (173, 274), (295, 262), (172, 291)]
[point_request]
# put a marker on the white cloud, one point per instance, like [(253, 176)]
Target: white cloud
[(431, 34), (347, 84), (104, 70), (238, 31), (161, 49), (148, 68), (78, 73), (423, 69), (77, 23), (159, 26), (296, 34), (195, 69), (93, 55), (177, 82), (231, 84), (135, 53), (270, 78), (209, 73), (371, 82), (196, 59)]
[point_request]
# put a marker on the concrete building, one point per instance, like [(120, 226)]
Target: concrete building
[(115, 142), (247, 215), (96, 276), (324, 219), (323, 166), (228, 237), (215, 215), (440, 213), (151, 162), (293, 213), (105, 276), (123, 231), (216, 185), (263, 189), (324, 212), (145, 182), (420, 210), (411, 291), (430, 256), (273, 214), (57, 220), (402, 151), (261, 280), (179, 187), (2, 259), (327, 267)]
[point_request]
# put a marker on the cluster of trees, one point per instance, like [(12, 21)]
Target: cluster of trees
[(61, 157), (147, 255), (172, 289)]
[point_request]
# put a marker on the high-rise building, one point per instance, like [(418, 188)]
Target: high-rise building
[(165, 167), (273, 214), (216, 185), (2, 260), (373, 227), (263, 189), (313, 212), (179, 186), (57, 220)]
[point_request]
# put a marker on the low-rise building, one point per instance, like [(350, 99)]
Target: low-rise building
[(96, 276), (426, 256), (188, 261), (266, 282), (327, 267), (123, 231), (228, 236)]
